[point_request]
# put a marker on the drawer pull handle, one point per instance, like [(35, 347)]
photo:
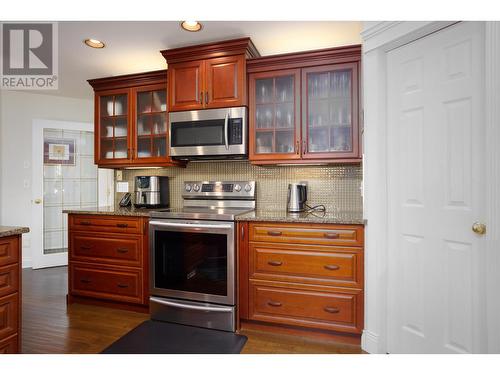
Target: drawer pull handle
[(332, 267), (85, 223), (122, 225), (274, 303), (331, 236), (122, 250), (274, 233), (122, 285), (85, 281), (332, 310), (85, 247), (274, 263)]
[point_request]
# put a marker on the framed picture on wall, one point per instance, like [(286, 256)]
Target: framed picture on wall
[(59, 151)]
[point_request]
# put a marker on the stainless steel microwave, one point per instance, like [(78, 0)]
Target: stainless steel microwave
[(209, 134)]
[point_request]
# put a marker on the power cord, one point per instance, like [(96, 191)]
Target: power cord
[(316, 209)]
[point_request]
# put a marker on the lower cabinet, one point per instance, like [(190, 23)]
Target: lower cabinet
[(10, 294), (303, 275), (108, 260)]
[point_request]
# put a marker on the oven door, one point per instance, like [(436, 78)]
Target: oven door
[(193, 260), (210, 132)]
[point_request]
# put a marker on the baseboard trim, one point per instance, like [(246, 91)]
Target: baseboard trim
[(370, 342)]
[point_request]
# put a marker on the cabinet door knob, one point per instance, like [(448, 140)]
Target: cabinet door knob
[(275, 263), (274, 303), (297, 147), (201, 97), (206, 97)]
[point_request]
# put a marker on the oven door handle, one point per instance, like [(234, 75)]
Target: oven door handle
[(226, 134), (190, 307), (190, 225)]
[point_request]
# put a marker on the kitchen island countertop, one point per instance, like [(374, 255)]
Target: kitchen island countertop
[(6, 231)]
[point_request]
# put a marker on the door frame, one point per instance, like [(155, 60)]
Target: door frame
[(104, 190), (378, 39)]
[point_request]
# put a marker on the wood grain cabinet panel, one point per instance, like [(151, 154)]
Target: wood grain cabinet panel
[(9, 345), (308, 308), (186, 86), (9, 315), (307, 264), (124, 285), (314, 234), (225, 82), (9, 250), (9, 279), (114, 224), (107, 249)]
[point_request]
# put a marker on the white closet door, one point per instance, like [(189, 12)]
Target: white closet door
[(436, 189)]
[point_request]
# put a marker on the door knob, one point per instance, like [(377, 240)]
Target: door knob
[(479, 228), (38, 201)]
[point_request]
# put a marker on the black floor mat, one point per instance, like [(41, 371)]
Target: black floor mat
[(154, 337)]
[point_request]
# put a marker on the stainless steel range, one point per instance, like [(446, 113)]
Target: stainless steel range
[(193, 255)]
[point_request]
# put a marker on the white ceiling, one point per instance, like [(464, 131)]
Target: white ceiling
[(133, 47)]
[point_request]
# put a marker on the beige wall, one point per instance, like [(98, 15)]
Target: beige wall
[(18, 109), (337, 187)]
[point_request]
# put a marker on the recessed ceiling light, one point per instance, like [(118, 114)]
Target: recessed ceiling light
[(94, 43), (191, 25)]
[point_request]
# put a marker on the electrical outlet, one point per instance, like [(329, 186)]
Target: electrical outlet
[(119, 175), (122, 187)]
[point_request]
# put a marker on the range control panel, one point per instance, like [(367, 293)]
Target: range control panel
[(219, 189)]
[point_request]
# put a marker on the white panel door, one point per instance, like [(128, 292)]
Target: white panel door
[(436, 190)]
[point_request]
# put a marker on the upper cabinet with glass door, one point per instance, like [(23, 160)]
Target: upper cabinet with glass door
[(275, 115), (131, 120), (307, 114), (330, 108)]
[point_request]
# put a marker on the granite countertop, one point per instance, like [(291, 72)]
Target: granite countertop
[(282, 216), (108, 210), (12, 231)]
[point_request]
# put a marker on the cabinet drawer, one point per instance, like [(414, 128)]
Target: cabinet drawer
[(115, 224), (307, 264), (9, 315), (9, 345), (340, 311), (125, 250), (9, 279), (314, 234), (9, 250), (106, 283)]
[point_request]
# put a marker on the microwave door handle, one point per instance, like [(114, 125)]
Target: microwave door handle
[(226, 121)]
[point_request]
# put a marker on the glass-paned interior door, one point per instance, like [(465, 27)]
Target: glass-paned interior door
[(69, 181)]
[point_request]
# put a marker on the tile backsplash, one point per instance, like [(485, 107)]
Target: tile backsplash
[(338, 187)]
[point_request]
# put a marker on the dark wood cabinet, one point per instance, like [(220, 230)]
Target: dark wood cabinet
[(10, 294), (108, 261), (302, 275), (131, 125), (304, 107), (208, 76)]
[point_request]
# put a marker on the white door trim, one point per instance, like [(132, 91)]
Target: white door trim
[(378, 39), (39, 260)]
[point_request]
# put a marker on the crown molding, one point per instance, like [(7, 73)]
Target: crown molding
[(130, 80)]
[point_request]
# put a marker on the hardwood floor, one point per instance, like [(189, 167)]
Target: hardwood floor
[(49, 326)]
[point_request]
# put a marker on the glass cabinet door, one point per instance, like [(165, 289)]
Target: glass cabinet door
[(274, 116), (329, 111), (151, 123), (114, 126)]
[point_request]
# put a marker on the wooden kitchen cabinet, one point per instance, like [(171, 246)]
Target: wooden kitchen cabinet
[(108, 261), (209, 75), (304, 107), (131, 120), (301, 275), (10, 294)]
